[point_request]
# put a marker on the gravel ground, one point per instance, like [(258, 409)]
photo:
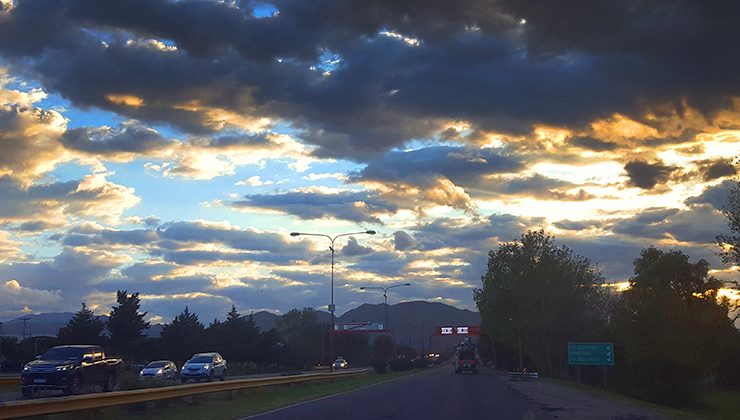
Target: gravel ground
[(568, 403)]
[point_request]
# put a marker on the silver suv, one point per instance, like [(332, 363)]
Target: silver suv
[(207, 366)]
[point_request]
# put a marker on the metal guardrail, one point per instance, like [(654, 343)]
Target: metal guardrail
[(524, 376), (10, 380), (14, 409)]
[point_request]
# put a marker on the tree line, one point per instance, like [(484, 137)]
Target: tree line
[(298, 340), (673, 336)]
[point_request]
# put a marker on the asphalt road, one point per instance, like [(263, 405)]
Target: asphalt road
[(436, 394)]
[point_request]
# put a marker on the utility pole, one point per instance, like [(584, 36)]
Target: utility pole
[(24, 319)]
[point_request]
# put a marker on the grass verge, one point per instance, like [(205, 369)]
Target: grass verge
[(719, 404), (233, 404)]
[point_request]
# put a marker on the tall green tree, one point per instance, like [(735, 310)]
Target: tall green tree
[(541, 296), (83, 328), (671, 333), (303, 335), (237, 337), (126, 324), (183, 337)]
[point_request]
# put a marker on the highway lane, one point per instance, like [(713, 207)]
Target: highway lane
[(435, 394)]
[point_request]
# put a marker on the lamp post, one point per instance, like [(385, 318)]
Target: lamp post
[(331, 305), (385, 296)]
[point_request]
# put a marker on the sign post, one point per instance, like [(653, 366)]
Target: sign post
[(591, 354)]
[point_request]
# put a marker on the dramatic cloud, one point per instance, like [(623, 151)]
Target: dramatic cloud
[(140, 148), (647, 175), (359, 207)]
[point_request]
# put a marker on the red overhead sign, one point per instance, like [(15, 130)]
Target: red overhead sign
[(459, 330)]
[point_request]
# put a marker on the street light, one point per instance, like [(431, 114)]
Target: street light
[(331, 305), (385, 296)]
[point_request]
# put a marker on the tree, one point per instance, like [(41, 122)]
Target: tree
[(183, 337), (236, 337), (269, 349), (83, 328), (126, 324), (303, 335), (730, 243), (383, 351), (536, 297), (670, 331)]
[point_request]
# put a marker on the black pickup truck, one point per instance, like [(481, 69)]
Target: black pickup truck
[(70, 369)]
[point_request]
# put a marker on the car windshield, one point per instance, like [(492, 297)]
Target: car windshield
[(201, 359), (63, 353), (155, 364)]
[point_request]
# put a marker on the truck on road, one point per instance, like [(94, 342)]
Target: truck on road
[(70, 369)]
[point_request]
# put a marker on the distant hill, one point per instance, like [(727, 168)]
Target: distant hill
[(412, 323), (49, 324)]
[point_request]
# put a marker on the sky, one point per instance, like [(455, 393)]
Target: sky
[(170, 147)]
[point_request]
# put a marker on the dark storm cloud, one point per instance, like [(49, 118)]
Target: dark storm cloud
[(71, 271), (647, 175), (113, 237), (718, 169), (197, 232), (591, 143), (480, 234), (699, 224), (578, 224), (565, 66), (458, 164), (130, 137), (314, 205), (717, 196), (402, 241), (353, 248)]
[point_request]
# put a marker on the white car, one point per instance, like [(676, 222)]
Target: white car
[(340, 364), (209, 366), (159, 369)]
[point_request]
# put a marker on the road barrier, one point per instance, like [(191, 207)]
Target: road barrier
[(524, 376), (10, 380), (14, 409)]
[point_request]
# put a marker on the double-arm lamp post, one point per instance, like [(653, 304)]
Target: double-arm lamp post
[(331, 305), (385, 296)]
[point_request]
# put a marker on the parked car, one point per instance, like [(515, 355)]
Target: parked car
[(70, 369), (207, 366), (159, 369), (340, 363)]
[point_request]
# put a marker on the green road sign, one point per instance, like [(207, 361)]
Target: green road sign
[(591, 354)]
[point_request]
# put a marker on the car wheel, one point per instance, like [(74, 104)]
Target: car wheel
[(74, 386), (223, 376), (184, 380), (210, 377), (27, 392), (110, 383)]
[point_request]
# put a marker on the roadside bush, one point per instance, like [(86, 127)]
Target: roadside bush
[(379, 365), (400, 364), (128, 380), (420, 362)]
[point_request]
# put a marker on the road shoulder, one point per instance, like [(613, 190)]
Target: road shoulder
[(566, 402)]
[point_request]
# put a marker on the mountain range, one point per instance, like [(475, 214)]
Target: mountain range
[(412, 323)]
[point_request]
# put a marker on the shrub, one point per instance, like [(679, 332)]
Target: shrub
[(400, 364), (379, 365), (420, 362)]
